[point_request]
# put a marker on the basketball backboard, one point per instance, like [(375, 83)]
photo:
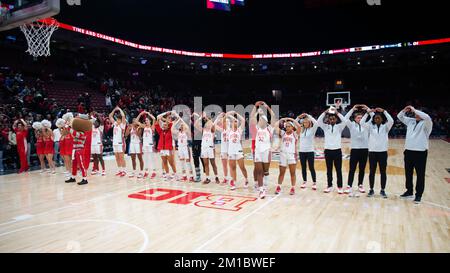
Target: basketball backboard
[(16, 13), (334, 97)]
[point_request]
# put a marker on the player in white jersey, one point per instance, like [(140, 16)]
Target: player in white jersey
[(135, 147), (207, 153), (288, 151), (235, 152), (150, 158), (119, 125), (222, 126), (183, 135), (97, 147), (263, 143)]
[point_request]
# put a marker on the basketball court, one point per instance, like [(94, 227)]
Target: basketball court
[(39, 213)]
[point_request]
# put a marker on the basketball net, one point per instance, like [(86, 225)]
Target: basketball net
[(38, 35)]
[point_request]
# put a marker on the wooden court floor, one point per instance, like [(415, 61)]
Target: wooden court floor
[(40, 213)]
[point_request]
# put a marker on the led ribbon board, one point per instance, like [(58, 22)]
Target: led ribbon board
[(219, 4), (248, 56)]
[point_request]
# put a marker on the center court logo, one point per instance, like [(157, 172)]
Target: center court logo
[(199, 199)]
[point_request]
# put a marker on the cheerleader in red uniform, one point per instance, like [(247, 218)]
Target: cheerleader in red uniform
[(37, 126), (49, 145), (65, 146), (20, 127)]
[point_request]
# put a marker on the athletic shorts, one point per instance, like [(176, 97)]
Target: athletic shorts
[(224, 155), (147, 149), (135, 148), (97, 149), (237, 156), (183, 153), (118, 148), (207, 152), (264, 157), (164, 153), (287, 159)]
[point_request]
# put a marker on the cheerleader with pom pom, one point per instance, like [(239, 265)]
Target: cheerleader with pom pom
[(37, 126), (49, 147), (65, 145)]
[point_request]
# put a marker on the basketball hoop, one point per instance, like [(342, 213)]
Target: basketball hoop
[(38, 36)]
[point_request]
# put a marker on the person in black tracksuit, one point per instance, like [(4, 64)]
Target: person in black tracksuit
[(359, 148), (416, 149)]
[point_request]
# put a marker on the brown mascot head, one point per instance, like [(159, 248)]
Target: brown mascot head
[(82, 123)]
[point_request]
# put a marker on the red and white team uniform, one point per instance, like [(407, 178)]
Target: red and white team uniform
[(263, 143), (147, 140), (97, 144), (118, 137), (288, 153), (235, 151), (79, 138), (207, 144), (183, 149), (147, 150), (224, 144), (135, 142)]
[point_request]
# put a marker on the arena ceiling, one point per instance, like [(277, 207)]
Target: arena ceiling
[(262, 25)]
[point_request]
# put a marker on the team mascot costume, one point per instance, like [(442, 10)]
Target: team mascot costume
[(81, 129)]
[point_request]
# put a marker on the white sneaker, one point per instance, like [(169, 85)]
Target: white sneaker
[(340, 191), (303, 185), (103, 173), (140, 176), (348, 190), (314, 187), (328, 190), (262, 193), (361, 189), (131, 175)]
